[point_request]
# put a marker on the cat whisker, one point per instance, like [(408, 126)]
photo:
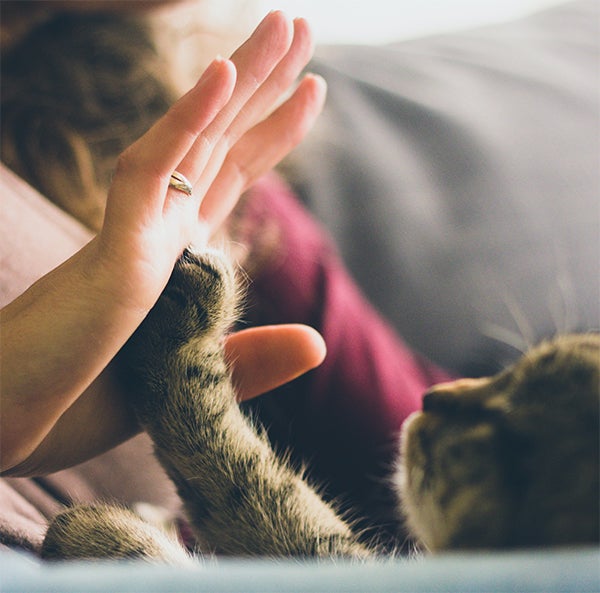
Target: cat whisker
[(561, 300), (505, 336), (522, 323), (524, 337)]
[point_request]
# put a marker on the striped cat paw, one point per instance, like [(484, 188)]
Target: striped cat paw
[(109, 532), (187, 324), (200, 298)]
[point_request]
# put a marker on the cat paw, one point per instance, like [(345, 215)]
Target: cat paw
[(109, 532), (198, 303), (185, 326), (201, 295)]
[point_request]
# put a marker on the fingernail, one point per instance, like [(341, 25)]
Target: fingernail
[(318, 79), (211, 70), (276, 11)]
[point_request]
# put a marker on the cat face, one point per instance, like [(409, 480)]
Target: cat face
[(510, 460)]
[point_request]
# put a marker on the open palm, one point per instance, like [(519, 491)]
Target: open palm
[(216, 135), (63, 406)]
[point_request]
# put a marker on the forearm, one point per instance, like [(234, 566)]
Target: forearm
[(60, 334), (97, 421), (56, 339)]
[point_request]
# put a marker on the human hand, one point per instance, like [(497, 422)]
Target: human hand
[(261, 359), (216, 137), (70, 324)]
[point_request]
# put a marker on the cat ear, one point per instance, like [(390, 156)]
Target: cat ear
[(481, 394), (446, 396)]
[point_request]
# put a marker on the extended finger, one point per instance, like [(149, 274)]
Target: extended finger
[(265, 96), (242, 167), (170, 139), (144, 169), (254, 61), (262, 147), (263, 358), (278, 82)]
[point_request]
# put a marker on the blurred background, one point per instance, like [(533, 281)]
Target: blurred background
[(380, 21)]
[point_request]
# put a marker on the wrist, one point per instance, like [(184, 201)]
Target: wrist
[(57, 337), (115, 281)]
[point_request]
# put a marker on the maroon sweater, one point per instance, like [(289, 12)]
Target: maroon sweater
[(344, 417)]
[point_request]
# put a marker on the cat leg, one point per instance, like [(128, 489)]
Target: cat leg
[(109, 532), (241, 497)]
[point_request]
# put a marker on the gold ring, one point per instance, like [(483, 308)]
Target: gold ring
[(181, 183)]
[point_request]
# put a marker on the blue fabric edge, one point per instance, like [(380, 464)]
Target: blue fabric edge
[(576, 570)]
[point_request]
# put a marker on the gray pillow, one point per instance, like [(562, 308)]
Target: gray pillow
[(459, 177)]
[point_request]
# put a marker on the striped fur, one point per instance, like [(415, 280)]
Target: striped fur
[(240, 497), (505, 461)]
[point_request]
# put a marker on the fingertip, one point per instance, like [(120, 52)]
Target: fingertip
[(311, 345), (279, 22), (227, 65), (300, 21), (222, 72), (317, 81), (265, 357), (276, 15), (308, 102), (302, 30)]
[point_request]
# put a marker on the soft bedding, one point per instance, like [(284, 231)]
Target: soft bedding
[(459, 177)]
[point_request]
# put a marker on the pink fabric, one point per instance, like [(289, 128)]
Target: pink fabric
[(370, 379), (35, 236), (341, 418), (345, 416)]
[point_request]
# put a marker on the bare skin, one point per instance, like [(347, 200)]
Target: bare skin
[(60, 404)]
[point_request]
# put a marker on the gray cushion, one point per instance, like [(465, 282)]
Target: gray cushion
[(459, 175)]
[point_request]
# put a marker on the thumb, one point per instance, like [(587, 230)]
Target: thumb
[(263, 358)]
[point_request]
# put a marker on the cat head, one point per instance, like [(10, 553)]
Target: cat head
[(510, 460)]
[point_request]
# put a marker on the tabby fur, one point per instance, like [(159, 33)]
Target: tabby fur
[(511, 460), (508, 461), (240, 497)]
